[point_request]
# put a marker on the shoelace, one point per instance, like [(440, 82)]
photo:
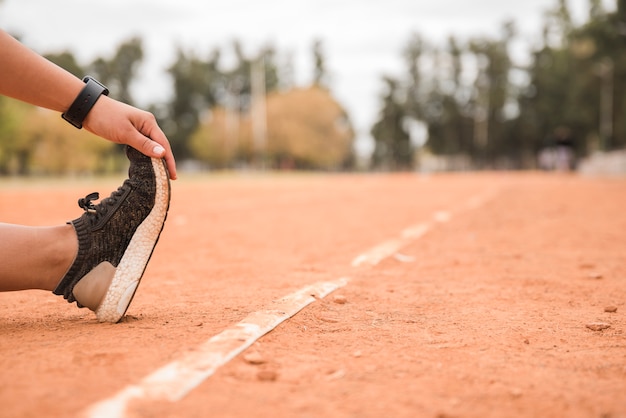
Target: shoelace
[(102, 209), (86, 202)]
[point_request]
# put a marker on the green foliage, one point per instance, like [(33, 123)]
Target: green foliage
[(320, 75), (37, 141), (474, 101), (392, 150), (201, 83), (67, 61), (572, 81), (32, 142), (575, 81), (196, 89), (117, 72), (12, 144)]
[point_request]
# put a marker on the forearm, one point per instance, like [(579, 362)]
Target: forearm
[(26, 76)]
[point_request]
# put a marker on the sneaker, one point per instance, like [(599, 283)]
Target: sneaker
[(116, 238)]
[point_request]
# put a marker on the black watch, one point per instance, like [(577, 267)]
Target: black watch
[(85, 100)]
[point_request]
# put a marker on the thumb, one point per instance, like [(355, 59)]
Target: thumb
[(150, 148)]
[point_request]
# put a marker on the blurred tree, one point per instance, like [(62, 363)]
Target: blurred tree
[(197, 86), (577, 83), (118, 72), (605, 63), (67, 61), (392, 149), (415, 96), (221, 140), (15, 147), (306, 129), (272, 76), (492, 91), (596, 9), (201, 84), (125, 64), (447, 101), (38, 141), (461, 118), (285, 71), (33, 140), (542, 104), (576, 79), (564, 20), (60, 149), (462, 92), (458, 104), (320, 75)]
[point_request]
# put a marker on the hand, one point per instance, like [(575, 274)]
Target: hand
[(125, 124)]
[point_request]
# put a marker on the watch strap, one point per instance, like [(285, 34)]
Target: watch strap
[(85, 100)]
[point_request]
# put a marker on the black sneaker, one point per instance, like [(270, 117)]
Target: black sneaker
[(116, 238)]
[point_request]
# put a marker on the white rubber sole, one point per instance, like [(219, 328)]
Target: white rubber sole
[(135, 259)]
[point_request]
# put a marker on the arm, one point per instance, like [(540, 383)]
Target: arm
[(27, 76)]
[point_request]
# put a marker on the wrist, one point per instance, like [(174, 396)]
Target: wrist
[(84, 102)]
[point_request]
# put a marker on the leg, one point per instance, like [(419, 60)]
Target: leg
[(98, 260), (116, 238), (35, 257)]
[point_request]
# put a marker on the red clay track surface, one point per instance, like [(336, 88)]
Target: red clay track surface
[(487, 295)]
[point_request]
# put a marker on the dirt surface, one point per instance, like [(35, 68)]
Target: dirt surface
[(488, 314)]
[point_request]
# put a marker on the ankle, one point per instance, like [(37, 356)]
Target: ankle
[(62, 252)]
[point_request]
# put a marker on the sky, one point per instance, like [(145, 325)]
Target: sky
[(362, 39)]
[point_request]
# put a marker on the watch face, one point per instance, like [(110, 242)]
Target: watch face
[(89, 78)]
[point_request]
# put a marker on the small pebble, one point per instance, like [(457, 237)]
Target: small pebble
[(254, 357), (327, 318), (611, 309), (266, 375), (595, 276), (598, 326), (340, 299), (337, 374)]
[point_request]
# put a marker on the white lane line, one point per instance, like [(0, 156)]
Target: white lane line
[(442, 216), (386, 249), (390, 248), (379, 252), (477, 201), (415, 231), (176, 379)]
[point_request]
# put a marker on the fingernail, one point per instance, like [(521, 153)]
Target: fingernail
[(158, 149)]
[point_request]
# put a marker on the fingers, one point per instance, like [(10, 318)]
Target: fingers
[(125, 124), (155, 150), (150, 148), (152, 142)]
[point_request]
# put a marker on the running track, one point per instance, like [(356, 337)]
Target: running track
[(451, 294)]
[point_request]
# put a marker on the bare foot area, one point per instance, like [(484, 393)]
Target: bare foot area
[(467, 296)]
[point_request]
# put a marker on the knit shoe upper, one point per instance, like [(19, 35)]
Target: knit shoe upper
[(116, 238)]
